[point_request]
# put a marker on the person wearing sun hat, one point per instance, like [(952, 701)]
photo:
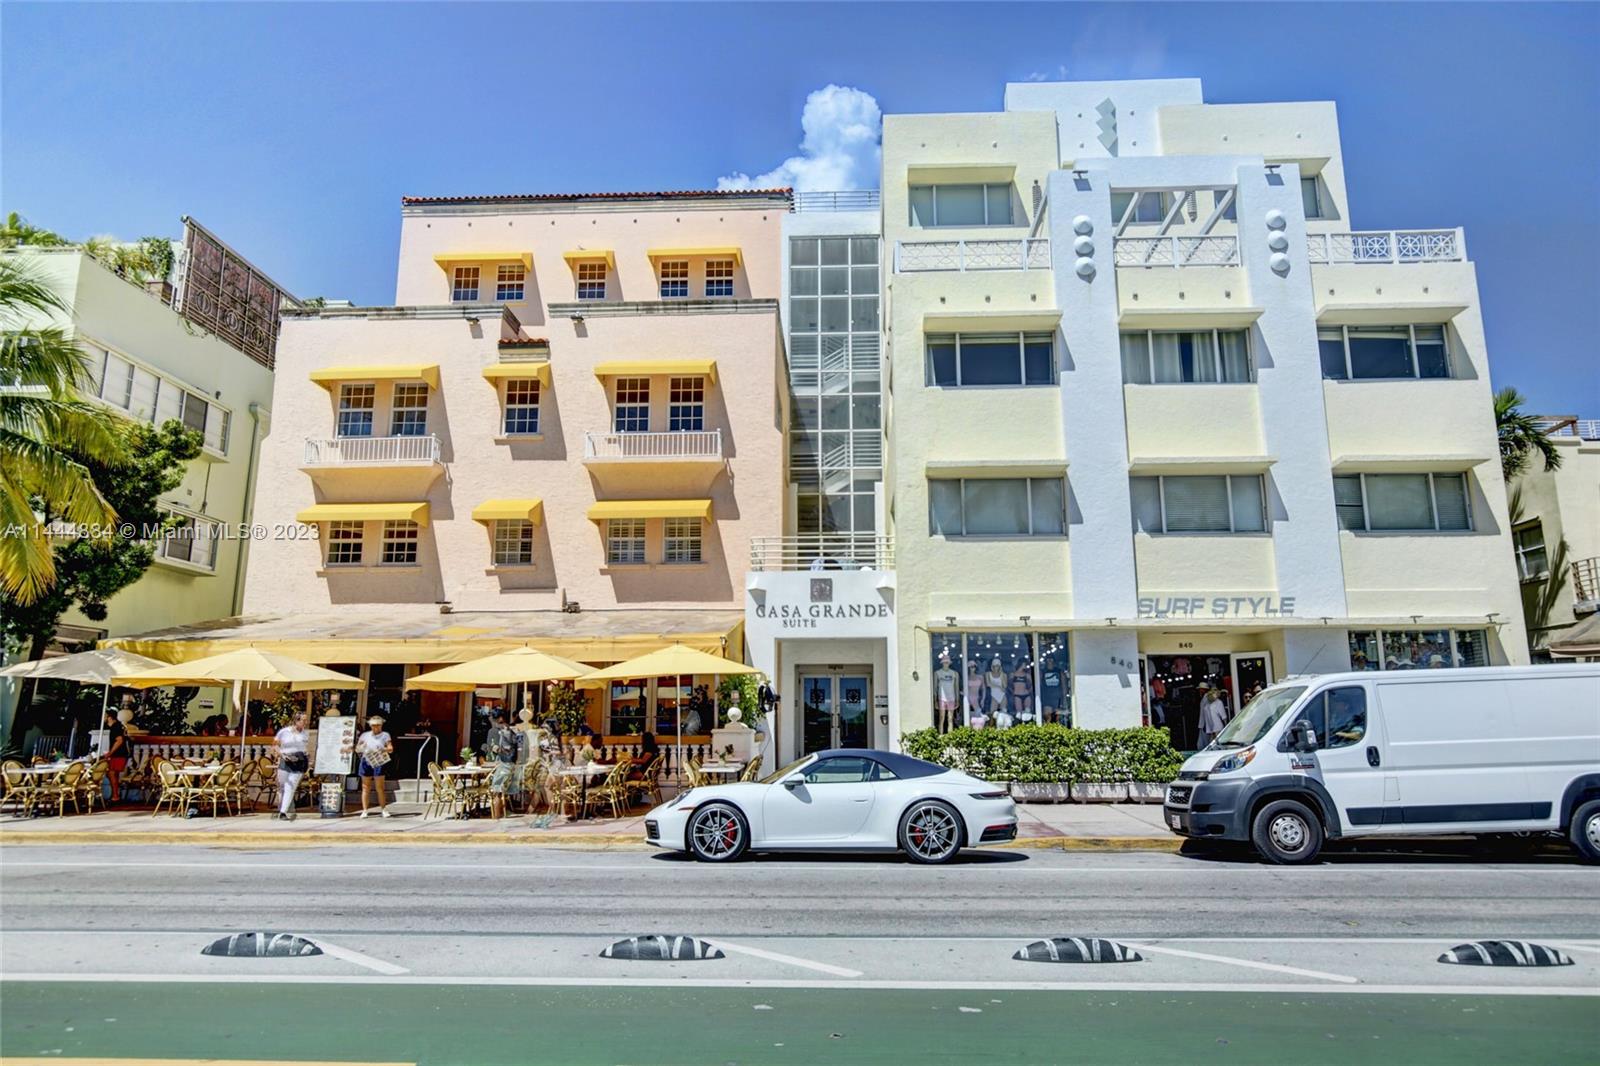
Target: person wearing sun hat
[(375, 747)]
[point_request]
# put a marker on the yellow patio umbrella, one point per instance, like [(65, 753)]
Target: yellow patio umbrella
[(674, 660), (506, 668), (250, 666), (101, 666)]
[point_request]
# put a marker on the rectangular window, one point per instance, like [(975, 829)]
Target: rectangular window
[(355, 410), (999, 680), (674, 279), (1152, 206), (1403, 502), (961, 205), (681, 539), (194, 412), (217, 423), (1528, 541), (592, 279), (344, 543), (400, 543), (464, 285), (522, 407), (116, 385), (686, 404), (192, 540), (1418, 649), (408, 411), (1199, 503), (1310, 197), (1205, 357), (719, 277), (970, 360), (633, 406), (624, 541), (513, 542), (1383, 352), (509, 282), (997, 507)]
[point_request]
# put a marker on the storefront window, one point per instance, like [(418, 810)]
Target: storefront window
[(1364, 651), (1418, 649), (627, 707), (1472, 647), (1177, 685), (999, 680)]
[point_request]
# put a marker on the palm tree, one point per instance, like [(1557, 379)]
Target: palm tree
[(1521, 435), (44, 428), (18, 230)]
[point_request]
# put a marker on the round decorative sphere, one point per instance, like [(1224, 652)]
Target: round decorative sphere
[(1275, 219), (1084, 267), (526, 714), (735, 714), (1279, 263), (125, 715), (1278, 241), (1082, 225), (1083, 245)]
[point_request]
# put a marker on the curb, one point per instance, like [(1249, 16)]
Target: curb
[(556, 839)]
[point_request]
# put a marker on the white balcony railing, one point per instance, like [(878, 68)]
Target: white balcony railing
[(911, 257), (372, 451), (1176, 251), (822, 551), (842, 200), (682, 445), (1388, 246)]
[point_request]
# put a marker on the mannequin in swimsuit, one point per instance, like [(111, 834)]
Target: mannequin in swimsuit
[(945, 684)]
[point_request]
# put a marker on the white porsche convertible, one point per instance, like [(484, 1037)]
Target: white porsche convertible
[(842, 800)]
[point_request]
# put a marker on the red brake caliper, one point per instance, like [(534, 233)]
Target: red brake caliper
[(729, 834)]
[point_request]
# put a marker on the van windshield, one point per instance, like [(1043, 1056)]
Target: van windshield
[(1260, 715)]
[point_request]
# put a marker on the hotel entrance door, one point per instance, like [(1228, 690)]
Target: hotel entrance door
[(836, 703)]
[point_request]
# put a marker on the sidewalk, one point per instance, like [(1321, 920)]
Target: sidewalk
[(1071, 826)]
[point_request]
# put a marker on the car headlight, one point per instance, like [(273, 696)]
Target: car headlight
[(1237, 761), (678, 800)]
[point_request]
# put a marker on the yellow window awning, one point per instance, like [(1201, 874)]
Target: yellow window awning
[(526, 368), (448, 260), (365, 512), (731, 251), (608, 509), (330, 376), (643, 368), (531, 510), (585, 255)]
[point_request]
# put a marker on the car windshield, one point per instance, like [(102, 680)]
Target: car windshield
[(1258, 716), (777, 775)]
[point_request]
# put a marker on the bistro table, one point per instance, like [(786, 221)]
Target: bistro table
[(470, 775), (722, 769), (587, 771)]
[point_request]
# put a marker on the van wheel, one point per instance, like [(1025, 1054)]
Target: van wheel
[(1286, 832), (1585, 831)]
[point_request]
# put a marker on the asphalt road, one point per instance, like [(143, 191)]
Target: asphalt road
[(491, 954)]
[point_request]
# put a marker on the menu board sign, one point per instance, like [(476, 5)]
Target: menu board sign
[(336, 742)]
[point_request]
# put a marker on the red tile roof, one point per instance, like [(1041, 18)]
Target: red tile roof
[(556, 197), (529, 342)]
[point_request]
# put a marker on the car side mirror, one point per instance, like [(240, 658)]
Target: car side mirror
[(792, 783)]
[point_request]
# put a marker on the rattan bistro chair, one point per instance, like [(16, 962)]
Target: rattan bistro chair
[(221, 788), (175, 789), (64, 788), (93, 783), (22, 790), (752, 771), (612, 790)]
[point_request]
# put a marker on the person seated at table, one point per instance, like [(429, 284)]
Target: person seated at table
[(648, 750)]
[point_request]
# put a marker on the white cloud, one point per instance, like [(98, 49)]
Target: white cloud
[(1060, 74), (839, 150)]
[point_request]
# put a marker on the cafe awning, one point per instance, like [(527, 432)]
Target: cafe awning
[(330, 376), (364, 512), (530, 510), (608, 509), (616, 368), (723, 252), (418, 633), (448, 260)]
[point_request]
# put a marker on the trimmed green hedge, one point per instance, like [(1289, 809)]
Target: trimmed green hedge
[(1048, 753)]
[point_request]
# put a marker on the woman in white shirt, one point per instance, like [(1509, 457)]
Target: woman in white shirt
[(374, 747), (293, 762)]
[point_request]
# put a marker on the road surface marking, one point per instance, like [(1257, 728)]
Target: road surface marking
[(1248, 963), (773, 956), (1570, 945), (359, 959), (1274, 988)]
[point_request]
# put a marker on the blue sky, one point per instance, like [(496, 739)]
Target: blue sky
[(293, 129)]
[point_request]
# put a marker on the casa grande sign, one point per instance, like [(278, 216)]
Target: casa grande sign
[(1201, 606), (820, 609)]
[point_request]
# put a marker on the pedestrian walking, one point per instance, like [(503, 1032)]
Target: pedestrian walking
[(375, 747), (293, 762), (501, 748), (1213, 716)]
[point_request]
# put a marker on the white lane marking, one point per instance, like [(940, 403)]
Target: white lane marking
[(359, 959), (1571, 945), (1275, 988), (1247, 963), (773, 956)]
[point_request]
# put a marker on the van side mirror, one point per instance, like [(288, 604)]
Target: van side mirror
[(1302, 737)]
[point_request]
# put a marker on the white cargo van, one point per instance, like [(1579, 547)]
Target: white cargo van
[(1401, 753)]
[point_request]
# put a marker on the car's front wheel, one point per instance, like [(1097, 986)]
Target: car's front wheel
[(718, 832), (930, 832)]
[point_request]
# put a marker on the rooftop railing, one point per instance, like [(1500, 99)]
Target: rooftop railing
[(843, 200), (822, 551), (1582, 428), (1175, 251), (690, 445), (1586, 585), (911, 257), (372, 451), (1388, 246)]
